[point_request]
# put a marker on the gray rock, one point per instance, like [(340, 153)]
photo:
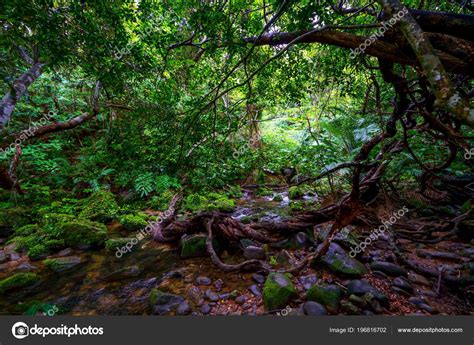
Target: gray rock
[(204, 281), (349, 308), (14, 256), (361, 287), (124, 273), (314, 308), (427, 308), (400, 291), (3, 257), (379, 274), (255, 291), (65, 252), (163, 303), (240, 299), (302, 240), (64, 263), (308, 281), (252, 252), (415, 300), (338, 261), (218, 284), (183, 308), (25, 267), (418, 279), (224, 296), (205, 308), (388, 268), (438, 255), (211, 296), (402, 284)]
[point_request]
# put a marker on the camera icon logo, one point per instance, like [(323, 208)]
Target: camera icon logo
[(20, 330)]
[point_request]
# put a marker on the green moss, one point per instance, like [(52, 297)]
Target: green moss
[(235, 192), (37, 251), (328, 295), (62, 264), (82, 232), (278, 198), (223, 204), (195, 203), (193, 246), (278, 291), (56, 232), (295, 192), (113, 243), (17, 281), (100, 206), (210, 202), (11, 218), (134, 222), (296, 206), (27, 230), (264, 192)]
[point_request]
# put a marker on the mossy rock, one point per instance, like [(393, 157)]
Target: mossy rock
[(262, 191), (100, 206), (295, 192), (296, 206), (63, 263), (82, 232), (223, 204), (195, 203), (11, 218), (134, 222), (18, 281), (338, 261), (195, 246), (278, 291), (27, 230), (327, 295), (113, 243), (278, 198)]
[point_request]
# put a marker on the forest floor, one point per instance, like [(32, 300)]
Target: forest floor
[(155, 279)]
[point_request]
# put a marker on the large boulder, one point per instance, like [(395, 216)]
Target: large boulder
[(278, 291), (328, 295), (100, 206), (18, 281), (163, 303), (362, 287), (388, 268), (338, 261)]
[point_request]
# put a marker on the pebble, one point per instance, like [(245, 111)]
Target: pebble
[(255, 291), (211, 296), (241, 299), (218, 284), (205, 308), (258, 278), (402, 284), (308, 281), (205, 281), (183, 309)]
